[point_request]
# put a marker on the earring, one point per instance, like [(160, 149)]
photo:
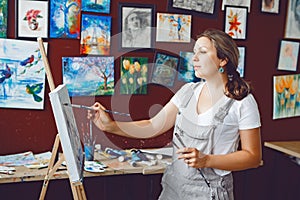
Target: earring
[(221, 70)]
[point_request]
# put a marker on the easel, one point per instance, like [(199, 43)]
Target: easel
[(77, 187)]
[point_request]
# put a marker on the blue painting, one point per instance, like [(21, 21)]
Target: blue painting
[(22, 74), (89, 76), (65, 19), (99, 6)]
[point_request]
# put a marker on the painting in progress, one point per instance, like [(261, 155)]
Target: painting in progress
[(68, 132), (89, 76), (22, 74)]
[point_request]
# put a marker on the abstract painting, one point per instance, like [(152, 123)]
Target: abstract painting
[(286, 96), (236, 22), (241, 65), (164, 70), (65, 19), (3, 18), (173, 27), (32, 18), (22, 74), (288, 56), (134, 73), (186, 71), (99, 6), (95, 34), (89, 76)]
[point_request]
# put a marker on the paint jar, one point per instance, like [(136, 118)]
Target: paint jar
[(89, 152)]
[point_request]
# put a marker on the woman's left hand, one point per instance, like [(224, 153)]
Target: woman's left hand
[(192, 157)]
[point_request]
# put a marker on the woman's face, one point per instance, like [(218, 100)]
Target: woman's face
[(133, 22), (206, 62)]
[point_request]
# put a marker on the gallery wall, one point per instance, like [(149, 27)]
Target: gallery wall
[(35, 130)]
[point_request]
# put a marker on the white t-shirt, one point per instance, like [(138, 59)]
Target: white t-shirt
[(243, 115)]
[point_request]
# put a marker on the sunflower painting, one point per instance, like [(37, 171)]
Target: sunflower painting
[(236, 21)]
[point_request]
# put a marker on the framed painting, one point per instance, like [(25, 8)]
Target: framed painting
[(134, 75), (136, 22), (186, 71), (270, 6), (102, 6), (173, 27), (286, 99), (236, 21), (65, 19), (89, 76), (22, 75), (241, 65), (32, 18), (3, 18), (204, 8), (95, 34), (288, 55), (237, 3), (164, 69), (292, 23)]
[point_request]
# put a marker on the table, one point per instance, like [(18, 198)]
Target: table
[(291, 148)]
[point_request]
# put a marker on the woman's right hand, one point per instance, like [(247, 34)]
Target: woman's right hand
[(100, 118)]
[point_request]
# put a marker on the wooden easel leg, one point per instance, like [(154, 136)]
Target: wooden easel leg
[(78, 191)]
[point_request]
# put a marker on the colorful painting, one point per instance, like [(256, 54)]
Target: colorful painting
[(186, 71), (22, 74), (286, 96), (65, 19), (241, 65), (99, 6), (173, 28), (89, 76), (164, 70), (95, 34), (236, 22), (32, 18), (134, 73), (3, 18), (288, 55), (292, 23)]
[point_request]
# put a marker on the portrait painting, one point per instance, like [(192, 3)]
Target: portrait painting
[(270, 6), (98, 6), (236, 22), (164, 69), (136, 22), (22, 74), (3, 18), (286, 100), (95, 34), (292, 23), (288, 55), (32, 18), (65, 19), (186, 71), (89, 76)]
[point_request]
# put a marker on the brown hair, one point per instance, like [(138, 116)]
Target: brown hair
[(236, 87)]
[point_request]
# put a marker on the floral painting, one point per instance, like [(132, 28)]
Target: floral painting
[(3, 18), (65, 19), (286, 96), (236, 22), (99, 6), (134, 73), (22, 74), (288, 55), (186, 71), (164, 70), (95, 34), (32, 18), (173, 27), (89, 76)]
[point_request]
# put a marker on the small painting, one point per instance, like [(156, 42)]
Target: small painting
[(236, 22), (164, 70), (134, 74), (3, 18), (241, 65), (270, 6), (65, 19), (22, 74), (286, 96), (32, 18), (205, 6), (186, 71), (98, 6), (89, 76), (288, 55), (95, 34), (173, 27), (237, 3), (292, 23)]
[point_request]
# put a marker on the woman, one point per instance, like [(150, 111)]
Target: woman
[(209, 120)]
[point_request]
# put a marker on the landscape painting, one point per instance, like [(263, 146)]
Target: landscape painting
[(99, 6)]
